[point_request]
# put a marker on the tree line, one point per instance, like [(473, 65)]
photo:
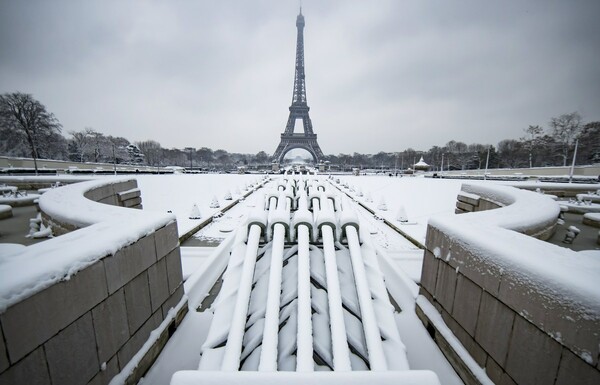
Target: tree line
[(27, 129)]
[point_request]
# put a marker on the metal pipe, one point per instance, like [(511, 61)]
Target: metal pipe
[(369, 321), (268, 354), (339, 342), (233, 348), (304, 354)]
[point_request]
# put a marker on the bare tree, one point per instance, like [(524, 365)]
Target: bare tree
[(565, 130), (511, 153), (21, 112), (152, 151), (83, 141), (531, 140)]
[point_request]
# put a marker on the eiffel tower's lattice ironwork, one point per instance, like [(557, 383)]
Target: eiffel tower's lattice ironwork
[(299, 109)]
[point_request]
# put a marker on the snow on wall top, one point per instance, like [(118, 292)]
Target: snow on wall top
[(106, 229), (565, 276), (522, 209)]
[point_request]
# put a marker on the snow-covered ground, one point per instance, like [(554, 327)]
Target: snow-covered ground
[(420, 198), (178, 193)]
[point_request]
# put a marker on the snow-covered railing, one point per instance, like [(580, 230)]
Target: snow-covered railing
[(85, 302), (524, 309)]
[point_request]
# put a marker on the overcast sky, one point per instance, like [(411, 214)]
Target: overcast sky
[(381, 75)]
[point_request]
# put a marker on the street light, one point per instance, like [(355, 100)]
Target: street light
[(487, 161), (573, 164), (442, 166), (191, 150)]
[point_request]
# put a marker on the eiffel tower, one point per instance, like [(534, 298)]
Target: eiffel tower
[(299, 109)]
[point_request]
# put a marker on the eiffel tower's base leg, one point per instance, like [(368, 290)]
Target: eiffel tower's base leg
[(291, 142)]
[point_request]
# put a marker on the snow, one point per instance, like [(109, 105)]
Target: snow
[(193, 259), (591, 196), (7, 250), (581, 207), (592, 216), (436, 319), (414, 377), (388, 258), (523, 209), (179, 192), (565, 278), (121, 378), (195, 212), (338, 330), (5, 208), (4, 188), (421, 198), (12, 200), (268, 356), (107, 229)]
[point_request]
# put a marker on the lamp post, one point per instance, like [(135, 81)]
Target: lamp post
[(487, 161), (114, 159), (191, 150), (573, 164)]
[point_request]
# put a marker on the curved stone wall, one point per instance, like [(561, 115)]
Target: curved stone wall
[(76, 309), (527, 311)]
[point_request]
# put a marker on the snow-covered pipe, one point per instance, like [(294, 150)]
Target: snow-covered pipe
[(339, 342), (289, 197), (369, 320), (257, 217), (326, 217), (233, 348), (272, 207), (268, 354), (281, 215), (348, 218), (304, 343), (313, 197)]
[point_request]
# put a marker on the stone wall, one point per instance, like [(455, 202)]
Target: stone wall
[(468, 203), (85, 328), (508, 312), (121, 193)]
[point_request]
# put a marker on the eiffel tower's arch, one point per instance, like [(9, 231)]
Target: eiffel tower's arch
[(305, 147)]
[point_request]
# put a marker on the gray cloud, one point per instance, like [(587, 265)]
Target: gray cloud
[(382, 75)]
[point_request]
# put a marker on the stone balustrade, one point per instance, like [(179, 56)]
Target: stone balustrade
[(528, 312), (76, 309)]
